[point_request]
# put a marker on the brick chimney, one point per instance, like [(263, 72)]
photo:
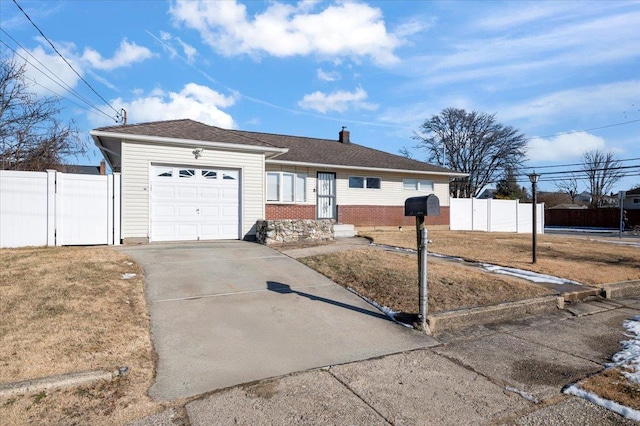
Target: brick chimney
[(103, 168), (344, 135)]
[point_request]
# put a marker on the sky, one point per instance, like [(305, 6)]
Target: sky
[(566, 73)]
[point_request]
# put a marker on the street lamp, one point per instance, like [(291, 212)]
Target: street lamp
[(533, 177)]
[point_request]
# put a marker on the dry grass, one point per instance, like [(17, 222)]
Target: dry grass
[(391, 280), (612, 385), (576, 258), (67, 310)]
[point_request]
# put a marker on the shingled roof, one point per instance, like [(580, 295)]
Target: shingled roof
[(301, 149)]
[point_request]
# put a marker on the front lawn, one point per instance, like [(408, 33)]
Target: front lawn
[(391, 279), (581, 259), (68, 309)]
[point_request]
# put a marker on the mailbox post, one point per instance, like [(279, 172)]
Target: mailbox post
[(420, 207)]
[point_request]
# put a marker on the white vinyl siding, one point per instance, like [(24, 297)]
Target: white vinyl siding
[(136, 163), (391, 192)]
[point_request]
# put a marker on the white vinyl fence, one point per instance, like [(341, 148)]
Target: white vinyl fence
[(55, 209), (472, 214)]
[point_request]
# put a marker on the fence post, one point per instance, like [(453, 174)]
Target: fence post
[(116, 208), (109, 211), (51, 207), (59, 210)]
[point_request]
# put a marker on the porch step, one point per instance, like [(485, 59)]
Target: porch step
[(341, 230)]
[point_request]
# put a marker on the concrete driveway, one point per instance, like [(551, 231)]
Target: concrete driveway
[(225, 313)]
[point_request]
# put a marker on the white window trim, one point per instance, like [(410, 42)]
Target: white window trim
[(364, 182), (281, 188)]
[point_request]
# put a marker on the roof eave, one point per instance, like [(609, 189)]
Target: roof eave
[(268, 151), (374, 169)]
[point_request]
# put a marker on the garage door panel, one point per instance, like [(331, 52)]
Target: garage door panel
[(187, 192), (209, 212), (163, 212), (201, 206), (187, 231), (212, 194), (163, 192)]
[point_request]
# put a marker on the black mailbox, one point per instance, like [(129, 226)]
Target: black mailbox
[(428, 205)]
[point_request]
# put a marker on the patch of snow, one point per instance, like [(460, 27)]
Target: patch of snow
[(390, 313), (129, 263), (624, 411), (128, 276), (518, 273), (394, 248), (628, 359), (525, 395), (527, 275), (444, 256)]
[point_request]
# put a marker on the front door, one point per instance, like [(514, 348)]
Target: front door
[(326, 205)]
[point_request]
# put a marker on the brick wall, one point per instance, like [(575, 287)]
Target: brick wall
[(356, 215), (289, 211), (385, 216)]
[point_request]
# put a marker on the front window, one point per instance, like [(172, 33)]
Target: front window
[(417, 185), (361, 182), (286, 187)]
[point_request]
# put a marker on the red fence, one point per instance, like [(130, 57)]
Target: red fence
[(592, 218)]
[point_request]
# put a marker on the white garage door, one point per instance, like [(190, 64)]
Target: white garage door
[(189, 203)]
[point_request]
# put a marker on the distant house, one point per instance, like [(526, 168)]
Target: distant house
[(568, 206), (86, 170), (487, 194), (632, 200), (185, 180)]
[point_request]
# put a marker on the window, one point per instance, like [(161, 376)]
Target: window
[(230, 175), (286, 187), (636, 201), (364, 182), (164, 171), (417, 185), (187, 173), (209, 174)]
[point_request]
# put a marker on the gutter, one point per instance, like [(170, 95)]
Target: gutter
[(376, 169)]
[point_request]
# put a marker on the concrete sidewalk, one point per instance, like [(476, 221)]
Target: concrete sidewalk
[(510, 373)]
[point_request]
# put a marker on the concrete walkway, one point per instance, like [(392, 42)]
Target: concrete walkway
[(511, 373), (226, 313)]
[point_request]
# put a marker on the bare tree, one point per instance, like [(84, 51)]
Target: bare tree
[(569, 186), (601, 171), (474, 143), (31, 137)]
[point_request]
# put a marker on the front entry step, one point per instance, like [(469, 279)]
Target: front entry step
[(341, 230)]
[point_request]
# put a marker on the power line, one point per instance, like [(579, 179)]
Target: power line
[(61, 83), (118, 116), (583, 130), (572, 164)]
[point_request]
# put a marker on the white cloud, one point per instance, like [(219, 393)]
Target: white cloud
[(194, 101), (166, 40), (41, 64), (339, 101), (328, 75), (345, 29), (189, 51), (579, 102), (563, 147), (126, 55), (553, 39)]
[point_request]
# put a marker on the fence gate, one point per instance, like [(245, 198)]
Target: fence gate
[(54, 209)]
